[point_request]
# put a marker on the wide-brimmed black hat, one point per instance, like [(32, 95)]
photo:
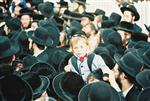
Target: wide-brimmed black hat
[(144, 95), (42, 68), (14, 24), (7, 47), (39, 84), (99, 12), (99, 91), (129, 63), (71, 15), (25, 11), (13, 88), (143, 78), (146, 58), (62, 3), (115, 17), (125, 26), (147, 27), (41, 36), (46, 8), (67, 85), (132, 9), (139, 36), (88, 15)]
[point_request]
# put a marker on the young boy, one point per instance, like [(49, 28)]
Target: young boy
[(81, 62)]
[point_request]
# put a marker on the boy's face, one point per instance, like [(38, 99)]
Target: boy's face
[(80, 49)]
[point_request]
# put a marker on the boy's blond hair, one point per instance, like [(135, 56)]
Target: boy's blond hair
[(76, 40)]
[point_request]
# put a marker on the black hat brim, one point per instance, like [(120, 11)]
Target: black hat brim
[(58, 90), (43, 87)]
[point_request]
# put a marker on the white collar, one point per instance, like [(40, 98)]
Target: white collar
[(126, 91), (39, 52)]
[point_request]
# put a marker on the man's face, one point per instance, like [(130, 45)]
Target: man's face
[(127, 16), (117, 75), (84, 21), (87, 29), (25, 20)]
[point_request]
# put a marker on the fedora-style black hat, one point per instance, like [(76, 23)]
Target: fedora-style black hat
[(88, 15), (7, 47), (129, 63), (144, 95), (46, 8), (14, 24), (132, 9), (67, 85), (125, 26), (13, 88), (41, 36), (42, 68), (99, 12), (71, 15), (39, 84), (115, 17), (139, 36), (25, 11), (143, 78), (98, 91), (62, 3)]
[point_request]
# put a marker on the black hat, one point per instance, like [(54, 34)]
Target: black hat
[(71, 15), (41, 36), (37, 17), (146, 58), (108, 24), (6, 70), (2, 15), (147, 27), (63, 3), (42, 68), (39, 84), (99, 12), (88, 15), (116, 17), (25, 11), (14, 24), (67, 85), (138, 36), (125, 26), (80, 1), (143, 78), (98, 91), (13, 88), (131, 68), (144, 95), (132, 9), (46, 8), (7, 47)]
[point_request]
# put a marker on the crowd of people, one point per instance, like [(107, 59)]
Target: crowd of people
[(61, 52)]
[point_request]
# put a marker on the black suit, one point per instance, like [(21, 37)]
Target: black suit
[(132, 94)]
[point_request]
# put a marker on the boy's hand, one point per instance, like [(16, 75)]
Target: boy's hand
[(67, 68)]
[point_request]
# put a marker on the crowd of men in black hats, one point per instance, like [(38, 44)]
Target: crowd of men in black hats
[(61, 52)]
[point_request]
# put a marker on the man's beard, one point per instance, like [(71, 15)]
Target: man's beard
[(118, 80)]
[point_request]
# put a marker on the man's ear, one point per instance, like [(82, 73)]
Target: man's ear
[(133, 18), (122, 76)]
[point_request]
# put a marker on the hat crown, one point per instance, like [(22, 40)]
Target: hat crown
[(41, 33), (126, 25), (4, 44), (130, 64)]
